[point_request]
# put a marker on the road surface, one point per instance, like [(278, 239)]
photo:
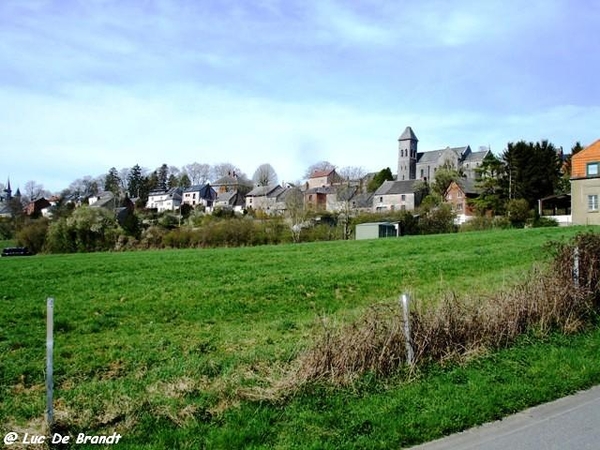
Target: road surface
[(570, 423)]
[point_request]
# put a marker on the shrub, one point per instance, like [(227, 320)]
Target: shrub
[(518, 212), (33, 235), (439, 219), (540, 222), (480, 223)]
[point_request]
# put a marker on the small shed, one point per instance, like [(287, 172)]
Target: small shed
[(375, 230)]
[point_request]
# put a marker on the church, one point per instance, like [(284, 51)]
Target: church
[(415, 165)]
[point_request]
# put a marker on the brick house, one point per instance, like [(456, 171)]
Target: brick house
[(458, 195), (585, 185)]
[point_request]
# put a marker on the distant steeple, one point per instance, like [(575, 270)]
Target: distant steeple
[(407, 155), (8, 191)]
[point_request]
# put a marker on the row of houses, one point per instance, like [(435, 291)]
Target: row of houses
[(327, 191)]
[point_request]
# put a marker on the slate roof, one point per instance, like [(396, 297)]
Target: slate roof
[(346, 193), (226, 196), (205, 191), (268, 191), (105, 200), (476, 156), (468, 186), (396, 187), (434, 155), (408, 135), (363, 200), (321, 190)]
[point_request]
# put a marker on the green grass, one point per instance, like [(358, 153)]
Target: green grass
[(162, 345)]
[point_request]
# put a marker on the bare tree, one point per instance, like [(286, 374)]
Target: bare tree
[(296, 211), (197, 173), (86, 186), (265, 175), (352, 173), (123, 177), (223, 169), (33, 190), (321, 165)]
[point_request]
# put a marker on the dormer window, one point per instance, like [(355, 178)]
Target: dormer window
[(592, 169)]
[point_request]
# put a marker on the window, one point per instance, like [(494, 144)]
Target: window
[(403, 197), (593, 202), (459, 194), (592, 169), (380, 199)]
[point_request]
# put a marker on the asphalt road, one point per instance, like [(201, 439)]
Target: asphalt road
[(571, 423)]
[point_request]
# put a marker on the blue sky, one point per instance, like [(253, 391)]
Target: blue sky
[(91, 84)]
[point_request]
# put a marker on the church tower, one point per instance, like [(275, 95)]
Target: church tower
[(407, 155)]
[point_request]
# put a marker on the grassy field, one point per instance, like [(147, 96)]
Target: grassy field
[(166, 347)]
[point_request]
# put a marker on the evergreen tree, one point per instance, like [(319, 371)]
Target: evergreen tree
[(185, 181), (488, 182), (533, 170), (112, 181), (162, 174), (379, 178)]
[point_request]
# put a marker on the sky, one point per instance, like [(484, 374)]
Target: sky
[(86, 85)]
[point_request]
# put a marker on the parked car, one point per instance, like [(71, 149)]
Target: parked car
[(16, 251)]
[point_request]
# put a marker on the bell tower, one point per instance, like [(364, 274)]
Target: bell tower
[(407, 155)]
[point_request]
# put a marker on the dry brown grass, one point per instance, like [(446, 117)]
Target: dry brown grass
[(457, 327)]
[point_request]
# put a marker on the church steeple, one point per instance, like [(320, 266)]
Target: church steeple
[(407, 155), (8, 191)]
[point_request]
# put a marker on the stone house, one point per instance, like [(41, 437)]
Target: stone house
[(585, 185), (263, 198), (323, 178), (397, 196), (231, 200)]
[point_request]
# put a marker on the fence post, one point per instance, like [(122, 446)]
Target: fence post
[(49, 361), (404, 304), (576, 267)]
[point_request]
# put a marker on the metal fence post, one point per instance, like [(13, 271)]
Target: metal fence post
[(404, 303), (49, 361)]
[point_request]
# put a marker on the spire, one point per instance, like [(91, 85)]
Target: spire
[(408, 135), (8, 190)]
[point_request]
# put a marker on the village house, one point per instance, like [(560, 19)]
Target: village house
[(402, 195), (264, 198), (230, 200), (232, 182), (199, 195), (585, 185), (458, 195), (323, 178), (164, 200)]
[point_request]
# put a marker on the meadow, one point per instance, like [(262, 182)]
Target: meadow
[(172, 348)]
